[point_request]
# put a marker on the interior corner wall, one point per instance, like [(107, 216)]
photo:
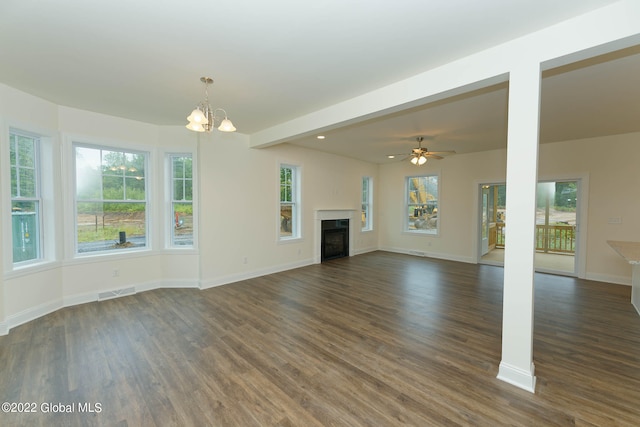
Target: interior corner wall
[(63, 279), (22, 109), (609, 162), (18, 109)]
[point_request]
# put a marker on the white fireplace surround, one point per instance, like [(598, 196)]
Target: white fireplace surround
[(323, 214)]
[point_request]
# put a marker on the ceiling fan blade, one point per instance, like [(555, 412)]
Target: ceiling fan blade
[(444, 153), (421, 151)]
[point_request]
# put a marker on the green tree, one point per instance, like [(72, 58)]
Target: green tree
[(566, 193), (22, 153)]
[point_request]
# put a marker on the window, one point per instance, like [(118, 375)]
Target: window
[(26, 204), (111, 199), (181, 199), (422, 204), (366, 204), (289, 202)]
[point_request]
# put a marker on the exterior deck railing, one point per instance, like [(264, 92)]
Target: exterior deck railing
[(549, 238)]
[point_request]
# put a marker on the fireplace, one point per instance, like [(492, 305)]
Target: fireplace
[(341, 220), (335, 239)]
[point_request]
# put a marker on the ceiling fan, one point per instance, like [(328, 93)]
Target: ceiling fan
[(419, 156)]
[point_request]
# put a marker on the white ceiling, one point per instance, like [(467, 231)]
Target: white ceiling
[(275, 61)]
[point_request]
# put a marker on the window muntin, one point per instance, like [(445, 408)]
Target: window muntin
[(181, 199), (422, 204), (26, 203), (366, 222), (289, 202), (111, 199)]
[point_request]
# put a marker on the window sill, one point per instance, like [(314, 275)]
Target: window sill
[(116, 254), (420, 233), (180, 250), (288, 240)]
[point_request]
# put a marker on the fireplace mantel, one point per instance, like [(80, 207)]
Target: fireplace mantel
[(323, 214)]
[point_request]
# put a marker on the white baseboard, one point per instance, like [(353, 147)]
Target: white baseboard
[(521, 378), (78, 299), (364, 250), (435, 255), (92, 296), (146, 286), (180, 284), (33, 313), (608, 278), (232, 278), (30, 314)]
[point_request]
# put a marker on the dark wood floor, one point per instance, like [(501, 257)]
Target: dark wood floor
[(379, 339)]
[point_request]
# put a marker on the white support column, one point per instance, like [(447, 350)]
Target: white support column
[(517, 366), (635, 283)]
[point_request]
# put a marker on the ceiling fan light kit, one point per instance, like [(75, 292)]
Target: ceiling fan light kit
[(203, 118), (418, 159)]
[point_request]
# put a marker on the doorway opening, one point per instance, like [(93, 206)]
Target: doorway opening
[(556, 237)]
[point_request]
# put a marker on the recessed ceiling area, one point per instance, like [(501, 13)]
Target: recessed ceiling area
[(595, 97), (475, 121)]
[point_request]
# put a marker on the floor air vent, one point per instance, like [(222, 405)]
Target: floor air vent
[(117, 293)]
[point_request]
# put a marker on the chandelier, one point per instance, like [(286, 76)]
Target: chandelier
[(204, 118)]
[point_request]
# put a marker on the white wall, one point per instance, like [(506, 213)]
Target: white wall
[(609, 163), (459, 176), (240, 205), (237, 210), (24, 111)]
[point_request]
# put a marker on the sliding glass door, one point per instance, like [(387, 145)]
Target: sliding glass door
[(556, 222), (557, 217)]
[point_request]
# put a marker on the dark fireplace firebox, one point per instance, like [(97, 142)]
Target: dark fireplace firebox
[(335, 239)]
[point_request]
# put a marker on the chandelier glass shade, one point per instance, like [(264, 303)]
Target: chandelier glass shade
[(204, 118)]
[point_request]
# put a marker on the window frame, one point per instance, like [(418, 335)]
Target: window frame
[(147, 177), (367, 203), (434, 232), (171, 200), (37, 198), (295, 203)]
